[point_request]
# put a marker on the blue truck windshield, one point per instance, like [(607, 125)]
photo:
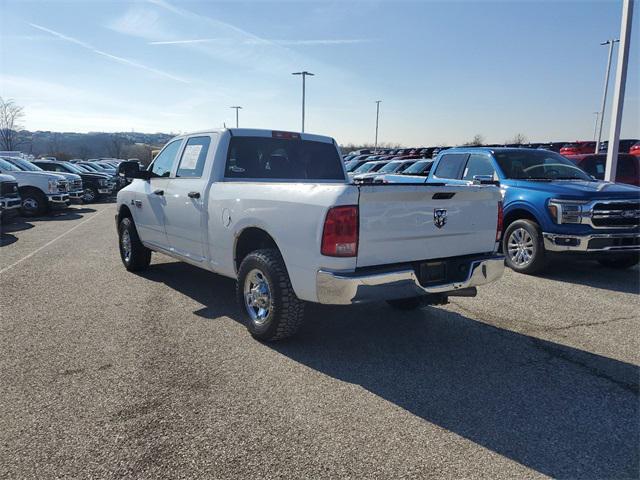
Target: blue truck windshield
[(538, 165)]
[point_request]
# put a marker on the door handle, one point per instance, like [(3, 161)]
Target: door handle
[(193, 194), (158, 192)]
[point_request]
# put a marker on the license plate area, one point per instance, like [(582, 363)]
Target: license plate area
[(432, 273)]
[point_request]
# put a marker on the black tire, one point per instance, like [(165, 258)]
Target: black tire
[(537, 259), (138, 257), (620, 262), (34, 202), (285, 311), (90, 195), (406, 304)]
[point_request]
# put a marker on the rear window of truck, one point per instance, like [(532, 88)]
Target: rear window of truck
[(284, 159)]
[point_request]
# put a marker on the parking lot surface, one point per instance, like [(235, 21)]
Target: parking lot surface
[(107, 374)]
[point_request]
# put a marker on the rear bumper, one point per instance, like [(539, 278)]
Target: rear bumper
[(596, 242), (340, 288)]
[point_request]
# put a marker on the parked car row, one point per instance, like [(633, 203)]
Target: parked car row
[(552, 207), (33, 188)]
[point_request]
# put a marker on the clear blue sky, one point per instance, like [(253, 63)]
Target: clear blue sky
[(444, 70)]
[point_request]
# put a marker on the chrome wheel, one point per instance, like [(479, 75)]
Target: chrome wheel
[(30, 204), (520, 247), (125, 242), (89, 195), (257, 296)]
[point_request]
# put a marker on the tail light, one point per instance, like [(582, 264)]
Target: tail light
[(500, 221), (340, 234)]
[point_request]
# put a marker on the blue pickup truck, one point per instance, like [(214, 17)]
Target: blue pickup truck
[(551, 207)]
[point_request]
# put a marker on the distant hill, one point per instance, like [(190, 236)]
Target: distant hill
[(92, 144)]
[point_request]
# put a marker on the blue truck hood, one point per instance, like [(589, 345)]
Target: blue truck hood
[(579, 189)]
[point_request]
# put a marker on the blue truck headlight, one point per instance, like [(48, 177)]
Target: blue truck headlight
[(563, 211)]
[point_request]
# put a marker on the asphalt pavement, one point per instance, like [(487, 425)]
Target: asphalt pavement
[(110, 374)]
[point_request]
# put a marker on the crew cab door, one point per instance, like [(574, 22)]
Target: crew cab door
[(149, 205), (184, 196)]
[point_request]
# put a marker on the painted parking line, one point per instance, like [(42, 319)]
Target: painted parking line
[(51, 242)]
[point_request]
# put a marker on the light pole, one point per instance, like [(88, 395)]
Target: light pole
[(618, 91), (595, 127), (375, 150), (611, 42), (237, 107), (304, 75)]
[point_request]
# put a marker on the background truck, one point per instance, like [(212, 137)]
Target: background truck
[(274, 210), (10, 201), (39, 191), (551, 207)]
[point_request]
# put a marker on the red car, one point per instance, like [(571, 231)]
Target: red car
[(635, 149), (628, 166), (578, 148)]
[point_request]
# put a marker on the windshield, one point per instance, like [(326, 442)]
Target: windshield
[(91, 168), (24, 165), (6, 166), (73, 168), (364, 168), (390, 167), (417, 167), (538, 165)]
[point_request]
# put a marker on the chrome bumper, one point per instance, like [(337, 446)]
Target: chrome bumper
[(610, 242), (10, 203), (58, 198), (339, 288)]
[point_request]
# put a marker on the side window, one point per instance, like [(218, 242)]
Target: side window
[(161, 166), (193, 157), (478, 165), (451, 165)]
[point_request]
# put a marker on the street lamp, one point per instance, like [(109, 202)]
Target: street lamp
[(304, 75), (375, 150), (237, 107), (611, 42)]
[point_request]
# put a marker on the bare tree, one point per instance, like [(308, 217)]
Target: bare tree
[(115, 145), (518, 139), (476, 141), (11, 115)]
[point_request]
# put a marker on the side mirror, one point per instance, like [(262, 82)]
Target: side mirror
[(131, 169)]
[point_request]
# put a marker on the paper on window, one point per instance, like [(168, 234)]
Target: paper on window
[(190, 157)]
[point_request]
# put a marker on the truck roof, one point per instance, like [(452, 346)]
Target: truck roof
[(259, 132)]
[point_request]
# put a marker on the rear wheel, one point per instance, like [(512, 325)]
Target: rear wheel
[(265, 295), (620, 262), (135, 256), (34, 202), (523, 247)]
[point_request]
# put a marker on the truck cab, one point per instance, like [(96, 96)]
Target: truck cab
[(551, 206)]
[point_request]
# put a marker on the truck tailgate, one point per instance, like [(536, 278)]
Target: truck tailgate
[(404, 223)]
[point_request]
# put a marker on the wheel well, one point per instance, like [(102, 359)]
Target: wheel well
[(250, 240), (519, 214), (124, 212), (28, 189)]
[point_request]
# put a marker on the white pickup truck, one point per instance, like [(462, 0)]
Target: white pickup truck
[(275, 211), (40, 191)]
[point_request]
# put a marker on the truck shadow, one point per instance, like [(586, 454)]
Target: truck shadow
[(594, 275), (561, 411)]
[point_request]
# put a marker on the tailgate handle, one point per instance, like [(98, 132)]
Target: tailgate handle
[(443, 195), (158, 192), (193, 194)]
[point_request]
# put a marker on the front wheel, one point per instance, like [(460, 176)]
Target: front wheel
[(523, 247), (34, 202), (265, 295), (135, 256), (620, 262), (90, 195)]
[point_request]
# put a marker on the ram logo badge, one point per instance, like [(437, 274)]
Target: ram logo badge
[(439, 217)]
